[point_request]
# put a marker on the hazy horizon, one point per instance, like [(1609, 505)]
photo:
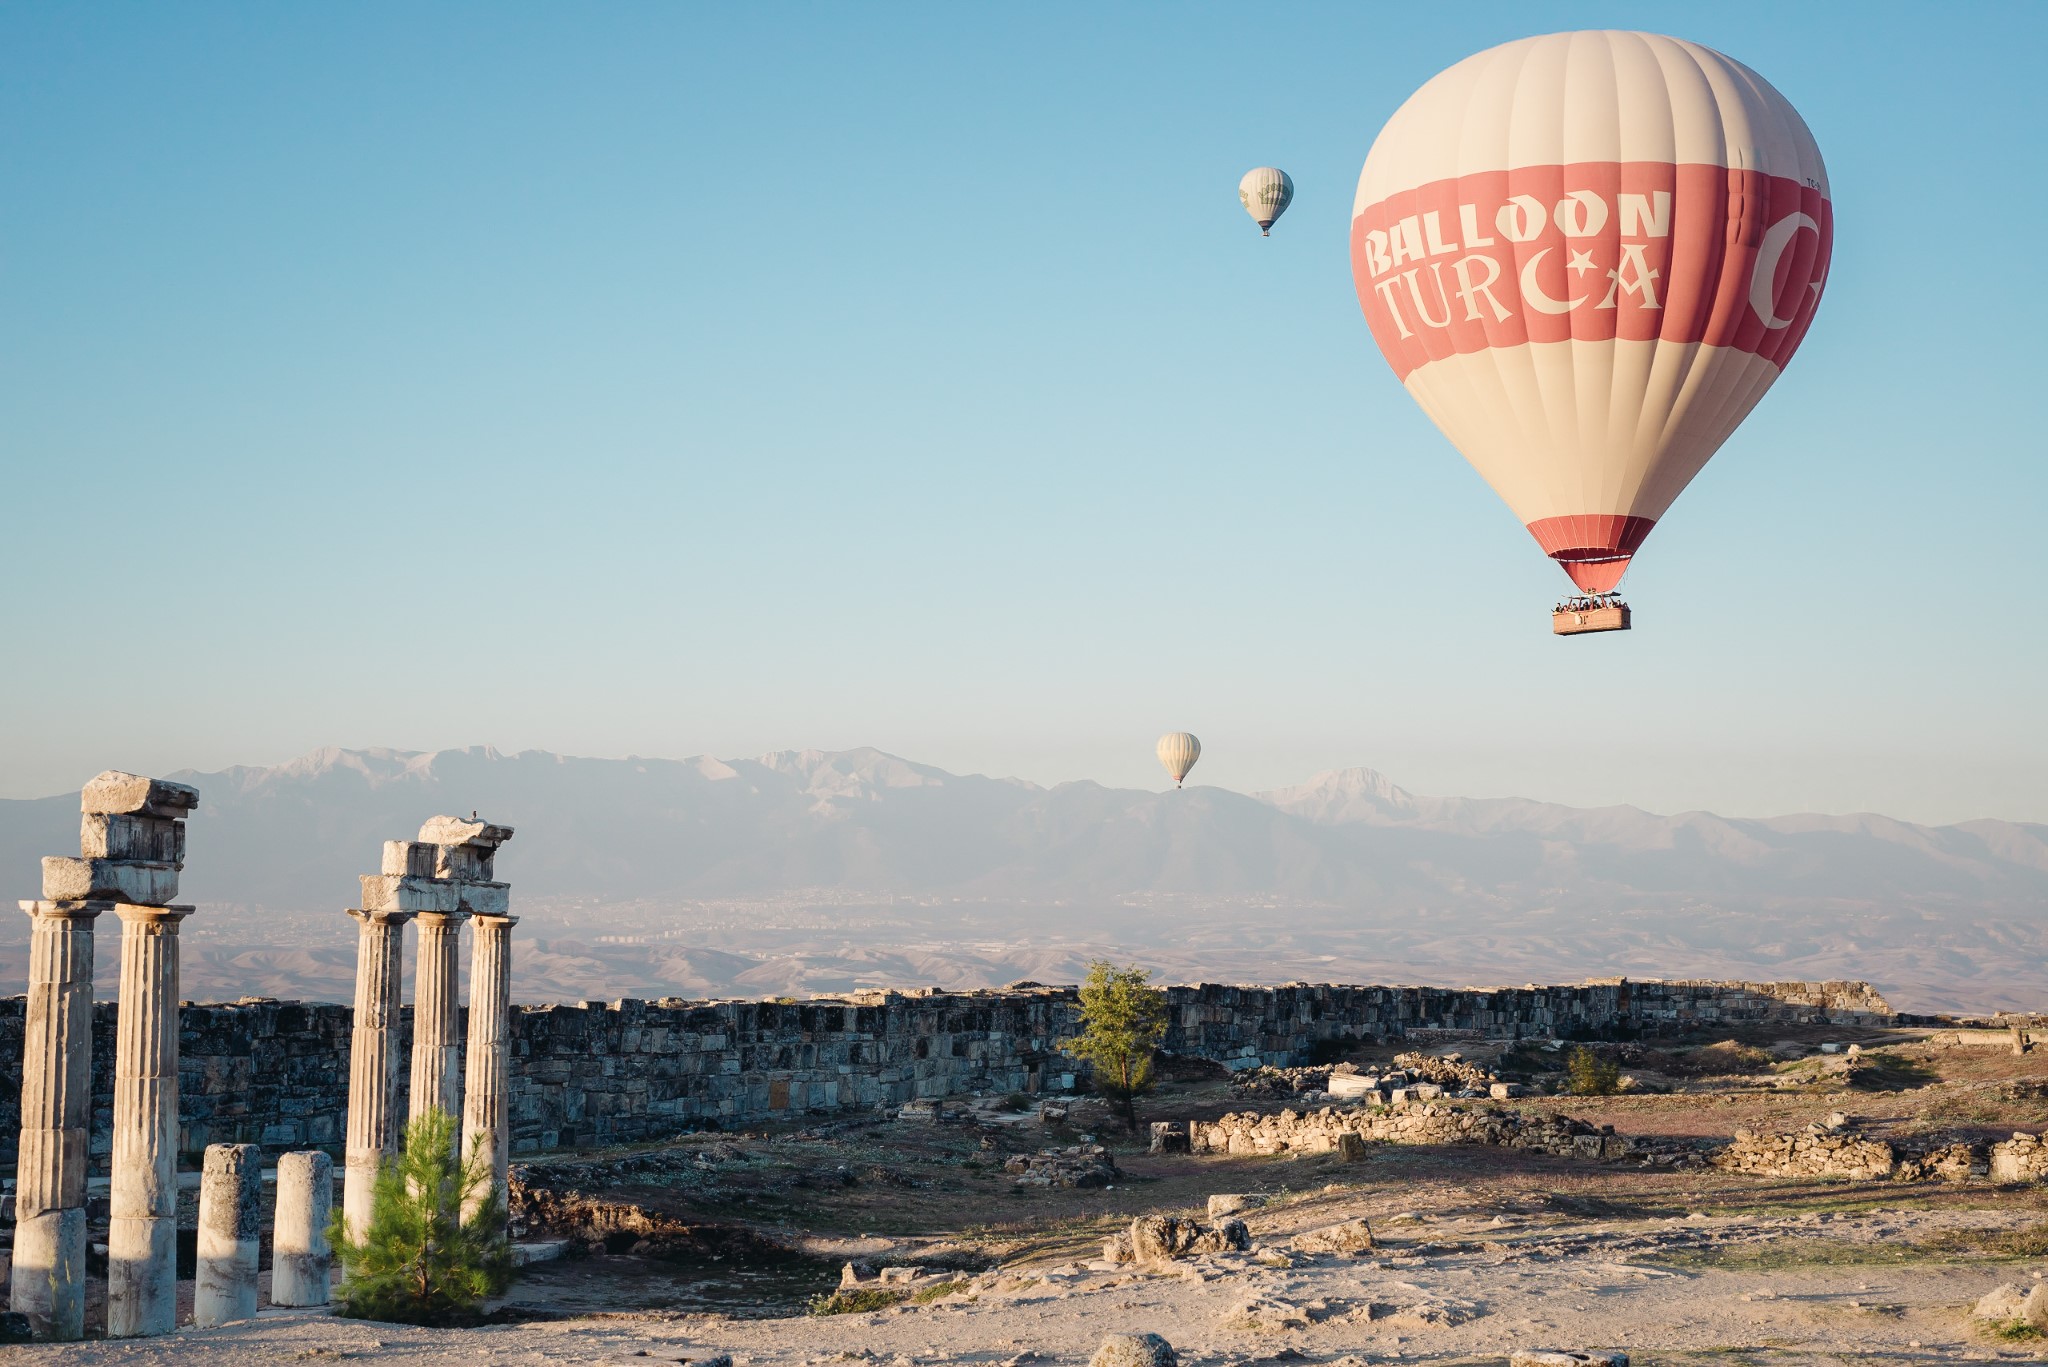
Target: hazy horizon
[(1163, 784)]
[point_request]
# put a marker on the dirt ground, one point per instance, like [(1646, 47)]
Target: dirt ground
[(1480, 1250)]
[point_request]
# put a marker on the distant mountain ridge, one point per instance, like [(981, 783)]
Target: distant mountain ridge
[(1496, 884)]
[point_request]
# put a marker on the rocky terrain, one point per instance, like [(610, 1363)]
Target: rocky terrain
[(940, 1236)]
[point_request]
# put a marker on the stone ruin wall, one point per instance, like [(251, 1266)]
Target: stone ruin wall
[(276, 1073)]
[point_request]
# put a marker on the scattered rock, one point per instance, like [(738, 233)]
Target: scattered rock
[(1265, 1314), (1234, 1203), (1134, 1350), (1551, 1357), (1350, 1238), (1169, 1136), (2011, 1303), (1162, 1238)]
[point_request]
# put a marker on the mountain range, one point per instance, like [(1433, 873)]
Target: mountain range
[(810, 870)]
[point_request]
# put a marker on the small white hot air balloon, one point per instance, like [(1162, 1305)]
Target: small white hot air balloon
[(1178, 751), (1265, 193)]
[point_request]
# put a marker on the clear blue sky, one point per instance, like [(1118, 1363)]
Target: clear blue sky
[(673, 378)]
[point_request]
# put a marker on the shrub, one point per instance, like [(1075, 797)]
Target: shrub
[(854, 1302), (1587, 1074), (420, 1261)]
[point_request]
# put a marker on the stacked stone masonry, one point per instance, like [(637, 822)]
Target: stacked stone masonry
[(276, 1073), (1839, 1151), (1327, 1130)]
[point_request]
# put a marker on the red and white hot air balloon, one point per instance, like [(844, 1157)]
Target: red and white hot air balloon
[(1587, 256)]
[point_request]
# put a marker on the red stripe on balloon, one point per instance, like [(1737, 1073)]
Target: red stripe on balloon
[(1592, 251), (1593, 548)]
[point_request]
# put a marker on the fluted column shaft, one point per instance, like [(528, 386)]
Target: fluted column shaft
[(48, 1279), (486, 1111), (372, 1074), (436, 1017), (142, 1237)]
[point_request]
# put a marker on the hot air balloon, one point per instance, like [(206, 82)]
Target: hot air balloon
[(1265, 193), (1178, 751), (1587, 256)]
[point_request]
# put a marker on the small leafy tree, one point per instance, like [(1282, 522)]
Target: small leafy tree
[(1123, 1019), (419, 1261), (1587, 1074)]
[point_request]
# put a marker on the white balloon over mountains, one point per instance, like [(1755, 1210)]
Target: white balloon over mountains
[(1345, 876)]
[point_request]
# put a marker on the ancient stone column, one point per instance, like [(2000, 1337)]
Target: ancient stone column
[(142, 1236), (301, 1263), (224, 1282), (486, 1111), (372, 1076), (48, 1280), (437, 1017)]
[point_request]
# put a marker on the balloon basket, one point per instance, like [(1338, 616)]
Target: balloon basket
[(1579, 621)]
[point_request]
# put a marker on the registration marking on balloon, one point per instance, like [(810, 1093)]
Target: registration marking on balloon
[(1592, 251)]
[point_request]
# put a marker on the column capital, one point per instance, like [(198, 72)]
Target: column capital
[(65, 911), (439, 918), (382, 917), (132, 914), (485, 919)]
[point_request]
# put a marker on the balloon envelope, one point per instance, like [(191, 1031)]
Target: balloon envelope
[(1587, 256), (1265, 192), (1178, 751)]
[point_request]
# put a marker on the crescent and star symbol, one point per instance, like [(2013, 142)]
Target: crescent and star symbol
[(1533, 294)]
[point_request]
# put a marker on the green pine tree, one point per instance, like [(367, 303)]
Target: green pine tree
[(1587, 1074), (1123, 1019), (420, 1261)]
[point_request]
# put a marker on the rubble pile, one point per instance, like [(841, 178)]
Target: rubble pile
[(1333, 1129), (1450, 1072), (1077, 1165), (1269, 1081)]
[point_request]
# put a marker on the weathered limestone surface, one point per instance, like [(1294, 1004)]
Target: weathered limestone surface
[(301, 1263), (108, 880), (373, 1076), (123, 794), (224, 1282), (47, 1282), (486, 1116), (142, 1234), (437, 1018), (276, 1073)]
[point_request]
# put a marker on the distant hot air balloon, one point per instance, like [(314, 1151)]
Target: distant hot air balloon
[(1178, 751), (1265, 193), (1587, 256)]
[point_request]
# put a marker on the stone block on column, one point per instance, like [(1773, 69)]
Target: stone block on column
[(224, 1284), (408, 859), (108, 880), (465, 849), (151, 839), (388, 893), (118, 793), (301, 1263), (486, 899)]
